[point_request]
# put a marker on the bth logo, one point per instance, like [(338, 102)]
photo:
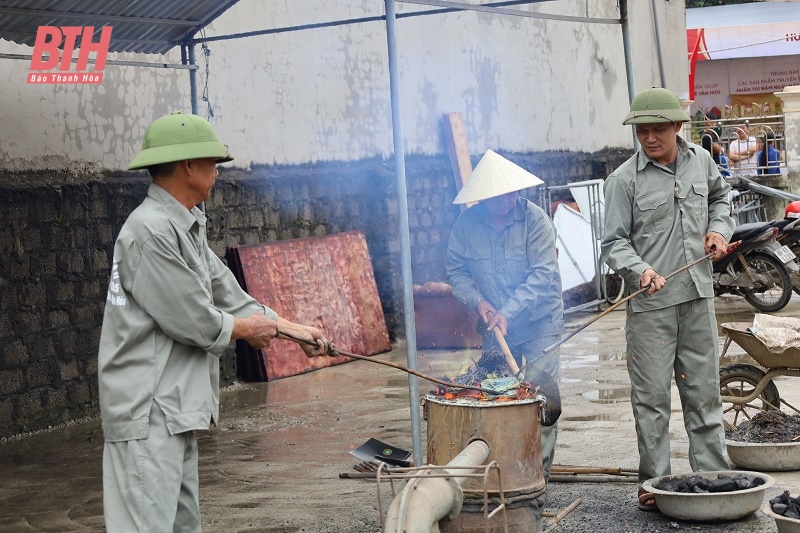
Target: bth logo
[(48, 41)]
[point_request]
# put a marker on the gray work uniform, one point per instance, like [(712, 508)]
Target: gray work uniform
[(657, 219), (169, 315), (516, 271)]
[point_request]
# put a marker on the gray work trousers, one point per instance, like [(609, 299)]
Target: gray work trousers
[(680, 339), (536, 362), (151, 485)]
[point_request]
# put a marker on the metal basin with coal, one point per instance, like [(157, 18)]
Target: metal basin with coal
[(784, 525), (765, 456), (713, 506)]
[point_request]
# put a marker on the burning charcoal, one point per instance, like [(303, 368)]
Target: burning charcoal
[(683, 486), (779, 508), (697, 490), (722, 485), (757, 482), (742, 483), (791, 514), (667, 485)]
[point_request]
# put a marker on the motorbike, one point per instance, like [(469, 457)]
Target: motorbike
[(786, 247), (751, 268)]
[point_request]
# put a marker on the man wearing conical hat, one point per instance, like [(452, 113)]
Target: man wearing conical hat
[(665, 207), (172, 308), (502, 262)]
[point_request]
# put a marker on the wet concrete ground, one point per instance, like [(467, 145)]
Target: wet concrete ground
[(274, 464)]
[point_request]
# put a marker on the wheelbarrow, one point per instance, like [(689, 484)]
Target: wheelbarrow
[(747, 389)]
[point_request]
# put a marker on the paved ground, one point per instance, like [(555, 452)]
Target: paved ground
[(274, 464)]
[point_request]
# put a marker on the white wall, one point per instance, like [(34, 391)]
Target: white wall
[(522, 85)]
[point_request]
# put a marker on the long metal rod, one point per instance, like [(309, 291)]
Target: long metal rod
[(624, 300), (335, 351), (405, 241), (658, 45), (512, 12), (119, 62), (358, 20), (626, 48)]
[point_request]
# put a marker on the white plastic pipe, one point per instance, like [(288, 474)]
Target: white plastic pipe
[(427, 500)]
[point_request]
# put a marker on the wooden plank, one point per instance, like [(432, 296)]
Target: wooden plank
[(456, 137), (326, 282)]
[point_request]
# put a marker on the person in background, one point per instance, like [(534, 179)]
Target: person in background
[(665, 207), (172, 308), (502, 262), (768, 157), (742, 151), (709, 139)]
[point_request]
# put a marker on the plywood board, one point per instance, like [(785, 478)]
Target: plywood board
[(456, 137), (326, 282)]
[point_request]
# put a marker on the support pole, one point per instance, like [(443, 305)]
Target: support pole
[(192, 77), (658, 45), (626, 47), (405, 245)]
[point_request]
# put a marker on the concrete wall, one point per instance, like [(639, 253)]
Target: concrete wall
[(522, 85)]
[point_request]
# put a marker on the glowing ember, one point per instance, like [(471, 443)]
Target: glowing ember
[(489, 372)]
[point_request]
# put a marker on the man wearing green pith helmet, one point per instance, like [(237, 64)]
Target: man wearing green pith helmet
[(172, 308), (665, 207)]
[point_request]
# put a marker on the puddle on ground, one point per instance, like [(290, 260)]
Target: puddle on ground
[(608, 395), (592, 418)]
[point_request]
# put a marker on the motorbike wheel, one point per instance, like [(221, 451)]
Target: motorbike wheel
[(796, 249), (775, 297), (740, 380)]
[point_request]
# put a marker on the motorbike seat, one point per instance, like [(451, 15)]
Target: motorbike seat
[(749, 230)]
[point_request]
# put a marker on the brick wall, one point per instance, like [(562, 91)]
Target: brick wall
[(57, 233)]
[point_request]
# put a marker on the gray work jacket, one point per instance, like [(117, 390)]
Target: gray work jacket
[(168, 317), (516, 271), (657, 219)]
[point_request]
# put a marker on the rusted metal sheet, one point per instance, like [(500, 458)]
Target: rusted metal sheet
[(326, 282)]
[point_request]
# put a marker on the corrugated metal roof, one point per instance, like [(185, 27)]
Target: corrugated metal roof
[(742, 14), (147, 26)]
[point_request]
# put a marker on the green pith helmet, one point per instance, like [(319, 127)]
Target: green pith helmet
[(177, 137), (655, 105)]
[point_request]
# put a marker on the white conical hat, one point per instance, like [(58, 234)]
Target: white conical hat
[(495, 175)]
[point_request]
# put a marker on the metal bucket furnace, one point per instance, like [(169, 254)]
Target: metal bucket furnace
[(512, 429)]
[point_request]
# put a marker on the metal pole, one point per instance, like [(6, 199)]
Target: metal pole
[(658, 46), (192, 77), (405, 245), (626, 47)]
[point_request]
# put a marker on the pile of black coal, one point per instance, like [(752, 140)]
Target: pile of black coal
[(767, 427), (785, 505), (697, 484)]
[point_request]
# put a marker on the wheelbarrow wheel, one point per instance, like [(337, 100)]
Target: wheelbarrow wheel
[(741, 380)]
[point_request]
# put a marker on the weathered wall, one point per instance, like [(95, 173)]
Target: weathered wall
[(522, 85), (56, 244)]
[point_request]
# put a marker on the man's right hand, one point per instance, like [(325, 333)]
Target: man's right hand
[(257, 329), (651, 278), (486, 311)]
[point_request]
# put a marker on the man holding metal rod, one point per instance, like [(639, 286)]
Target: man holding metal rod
[(502, 262), (666, 207), (172, 309)]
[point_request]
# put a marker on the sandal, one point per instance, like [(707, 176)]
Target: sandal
[(647, 501)]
